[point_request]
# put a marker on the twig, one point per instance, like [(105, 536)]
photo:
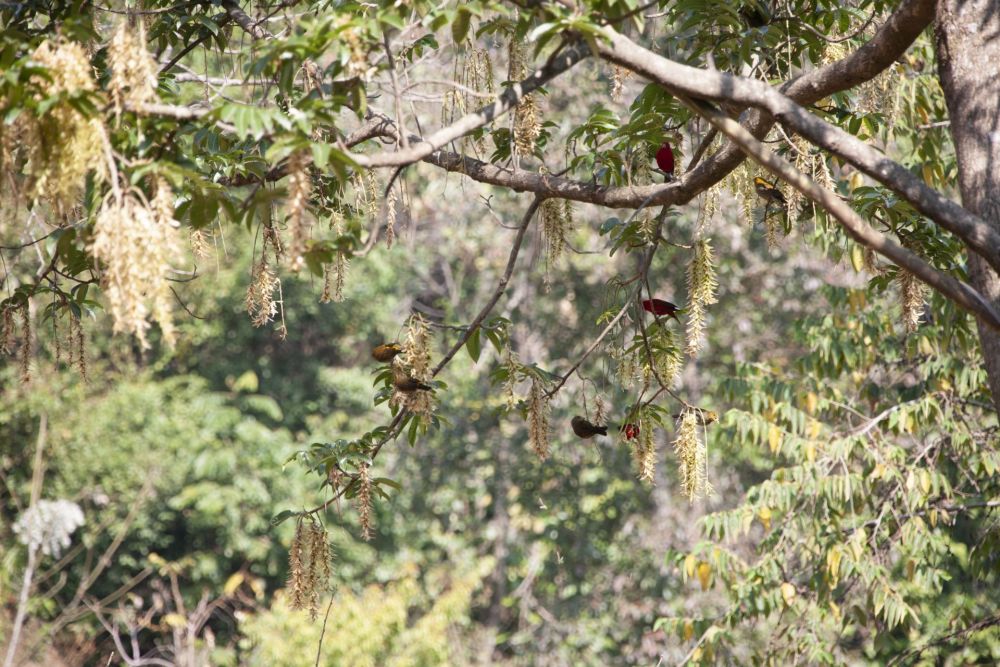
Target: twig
[(500, 288), (975, 627), (322, 632)]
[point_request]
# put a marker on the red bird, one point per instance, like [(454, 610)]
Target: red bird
[(665, 160), (660, 307)]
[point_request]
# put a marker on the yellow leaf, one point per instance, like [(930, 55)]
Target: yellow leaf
[(258, 587), (704, 575), (833, 558), (174, 620), (925, 347), (857, 258), (928, 172), (765, 517), (925, 481), (774, 438), (811, 451), (857, 299), (910, 569), (689, 565), (688, 630), (812, 402), (856, 181), (835, 608), (696, 654), (933, 516), (232, 583), (878, 471), (788, 593)]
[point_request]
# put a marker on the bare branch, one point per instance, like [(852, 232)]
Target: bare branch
[(510, 98)]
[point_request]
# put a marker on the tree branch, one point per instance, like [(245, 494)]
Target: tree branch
[(959, 292), (510, 98), (722, 87), (251, 27), (500, 288)]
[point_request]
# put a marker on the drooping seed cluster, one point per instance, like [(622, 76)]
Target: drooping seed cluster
[(538, 419), (136, 244), (62, 145), (309, 569), (133, 70), (702, 283)]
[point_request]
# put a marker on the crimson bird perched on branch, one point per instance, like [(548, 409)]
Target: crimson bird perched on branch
[(584, 429), (661, 307), (665, 160), (631, 431)]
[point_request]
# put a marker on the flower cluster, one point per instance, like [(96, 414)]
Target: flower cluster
[(136, 244), (49, 525), (62, 145), (538, 419), (133, 70)]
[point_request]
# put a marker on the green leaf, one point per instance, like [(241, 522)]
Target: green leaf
[(282, 516), (460, 26), (473, 346)]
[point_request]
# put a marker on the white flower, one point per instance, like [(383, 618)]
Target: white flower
[(49, 525)]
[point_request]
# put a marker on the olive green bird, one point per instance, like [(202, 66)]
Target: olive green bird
[(402, 381), (386, 351)]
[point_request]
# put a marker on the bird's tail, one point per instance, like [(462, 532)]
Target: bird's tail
[(601, 430)]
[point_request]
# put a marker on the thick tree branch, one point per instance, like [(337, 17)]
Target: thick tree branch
[(242, 19), (955, 290), (889, 42), (722, 87)]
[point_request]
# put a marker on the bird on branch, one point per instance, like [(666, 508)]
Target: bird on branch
[(584, 429)]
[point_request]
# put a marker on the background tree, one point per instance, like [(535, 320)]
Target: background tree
[(837, 431)]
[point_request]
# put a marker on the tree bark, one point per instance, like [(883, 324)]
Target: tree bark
[(968, 50)]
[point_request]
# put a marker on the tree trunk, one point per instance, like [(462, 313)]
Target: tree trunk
[(968, 49)]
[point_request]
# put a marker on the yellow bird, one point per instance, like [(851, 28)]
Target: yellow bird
[(706, 417), (767, 191), (386, 351)]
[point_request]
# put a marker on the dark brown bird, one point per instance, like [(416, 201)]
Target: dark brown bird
[(769, 192), (386, 351), (406, 384), (584, 429)]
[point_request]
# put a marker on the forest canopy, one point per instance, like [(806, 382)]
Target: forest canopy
[(565, 332)]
